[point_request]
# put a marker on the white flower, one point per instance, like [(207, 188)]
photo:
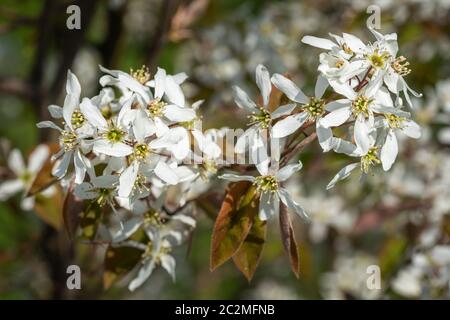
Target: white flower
[(313, 109), (24, 175), (268, 185), (110, 135), (261, 118), (76, 129), (393, 124), (366, 148)]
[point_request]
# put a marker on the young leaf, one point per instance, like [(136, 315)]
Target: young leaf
[(118, 262), (44, 178), (248, 255), (233, 222), (288, 238), (48, 208)]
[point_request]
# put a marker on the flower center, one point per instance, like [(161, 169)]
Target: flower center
[(315, 107), (263, 119), (339, 64), (103, 196), (153, 218), (26, 176), (77, 119), (156, 107), (394, 121), (141, 151), (400, 65), (378, 60), (69, 140), (142, 75), (148, 252), (361, 105), (266, 184), (115, 135), (370, 159)]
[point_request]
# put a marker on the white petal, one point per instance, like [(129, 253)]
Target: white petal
[(286, 198), (343, 146), (362, 136), (93, 114), (289, 125), (117, 149), (342, 174), (263, 83), (173, 92), (354, 43), (16, 163), (319, 42), (127, 179), (168, 263), (160, 83), (321, 86), (143, 126), (144, 272), (70, 104), (411, 129), (243, 100), (134, 85), (80, 167), (336, 117), (286, 172), (187, 220), (128, 228), (178, 114), (55, 111), (48, 124), (283, 110), (61, 166), (165, 173), (179, 78), (38, 158), (244, 140), (235, 177), (289, 88), (9, 188), (389, 151), (325, 137), (269, 204), (73, 85)]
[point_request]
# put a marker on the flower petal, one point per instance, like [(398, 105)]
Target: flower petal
[(243, 100), (289, 125), (144, 272), (263, 83), (336, 118), (319, 42), (289, 88), (286, 198), (342, 174), (389, 151)]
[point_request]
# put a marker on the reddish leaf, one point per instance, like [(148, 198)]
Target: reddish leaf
[(44, 178), (233, 222), (249, 254), (71, 212), (288, 238), (89, 220), (48, 208)]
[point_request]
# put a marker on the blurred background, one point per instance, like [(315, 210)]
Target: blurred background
[(399, 221)]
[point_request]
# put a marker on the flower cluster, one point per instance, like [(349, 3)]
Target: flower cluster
[(138, 140), (123, 149)]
